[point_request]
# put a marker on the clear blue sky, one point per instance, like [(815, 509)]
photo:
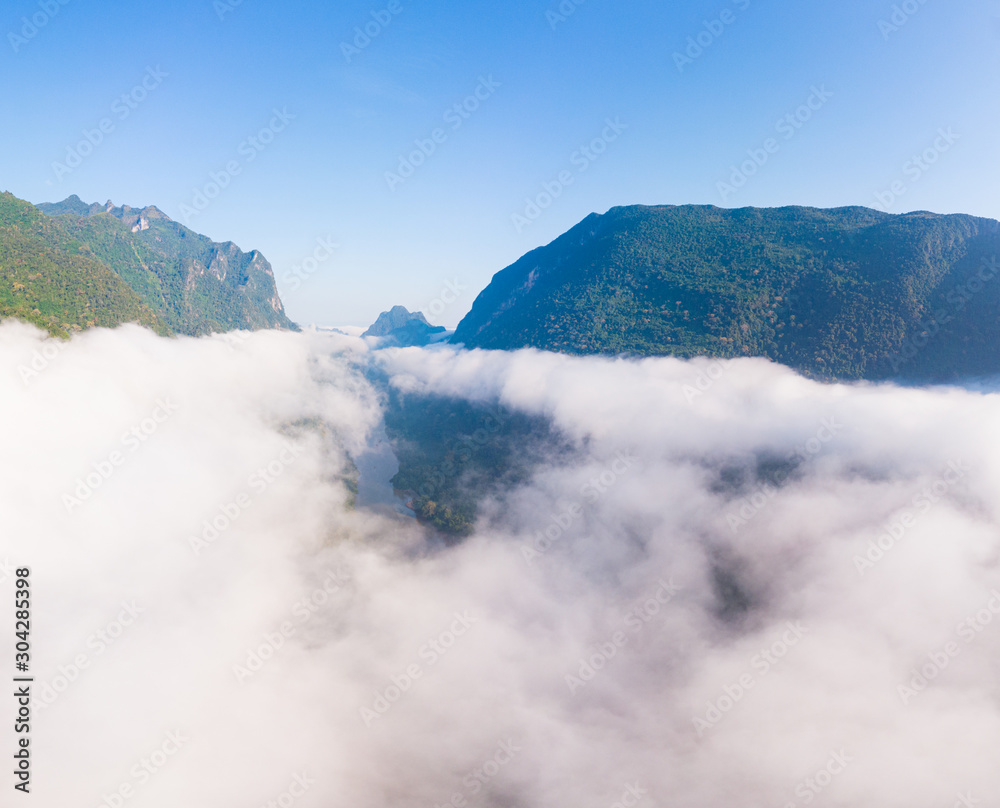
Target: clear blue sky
[(550, 85)]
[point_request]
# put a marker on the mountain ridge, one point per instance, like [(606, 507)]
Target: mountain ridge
[(196, 286), (50, 279), (838, 293)]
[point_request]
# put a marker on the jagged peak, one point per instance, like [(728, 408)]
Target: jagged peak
[(131, 215), (396, 317)]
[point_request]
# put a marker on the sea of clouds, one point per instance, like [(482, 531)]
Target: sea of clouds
[(739, 587)]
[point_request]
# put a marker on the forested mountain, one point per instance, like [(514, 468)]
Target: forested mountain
[(195, 285), (52, 279), (846, 293)]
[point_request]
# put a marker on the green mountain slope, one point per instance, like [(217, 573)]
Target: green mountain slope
[(452, 453), (195, 285), (52, 280), (848, 293)]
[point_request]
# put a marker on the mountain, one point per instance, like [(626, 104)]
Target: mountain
[(52, 279), (402, 327), (845, 293), (454, 453), (195, 285)]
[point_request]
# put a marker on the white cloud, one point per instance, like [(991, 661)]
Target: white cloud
[(478, 641)]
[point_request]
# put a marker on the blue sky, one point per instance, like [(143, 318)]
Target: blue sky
[(580, 107)]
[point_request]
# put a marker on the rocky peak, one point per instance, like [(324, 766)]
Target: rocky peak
[(396, 317), (403, 327)]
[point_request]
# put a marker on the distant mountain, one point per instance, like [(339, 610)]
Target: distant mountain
[(849, 293), (194, 285), (51, 279), (402, 327)]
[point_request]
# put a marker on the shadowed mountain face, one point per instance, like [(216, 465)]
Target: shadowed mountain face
[(849, 293), (195, 285), (401, 327)]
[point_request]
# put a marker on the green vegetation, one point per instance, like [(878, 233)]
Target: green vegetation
[(848, 293), (195, 285), (453, 452), (51, 279)]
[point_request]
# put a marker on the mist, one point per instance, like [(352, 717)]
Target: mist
[(737, 585)]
